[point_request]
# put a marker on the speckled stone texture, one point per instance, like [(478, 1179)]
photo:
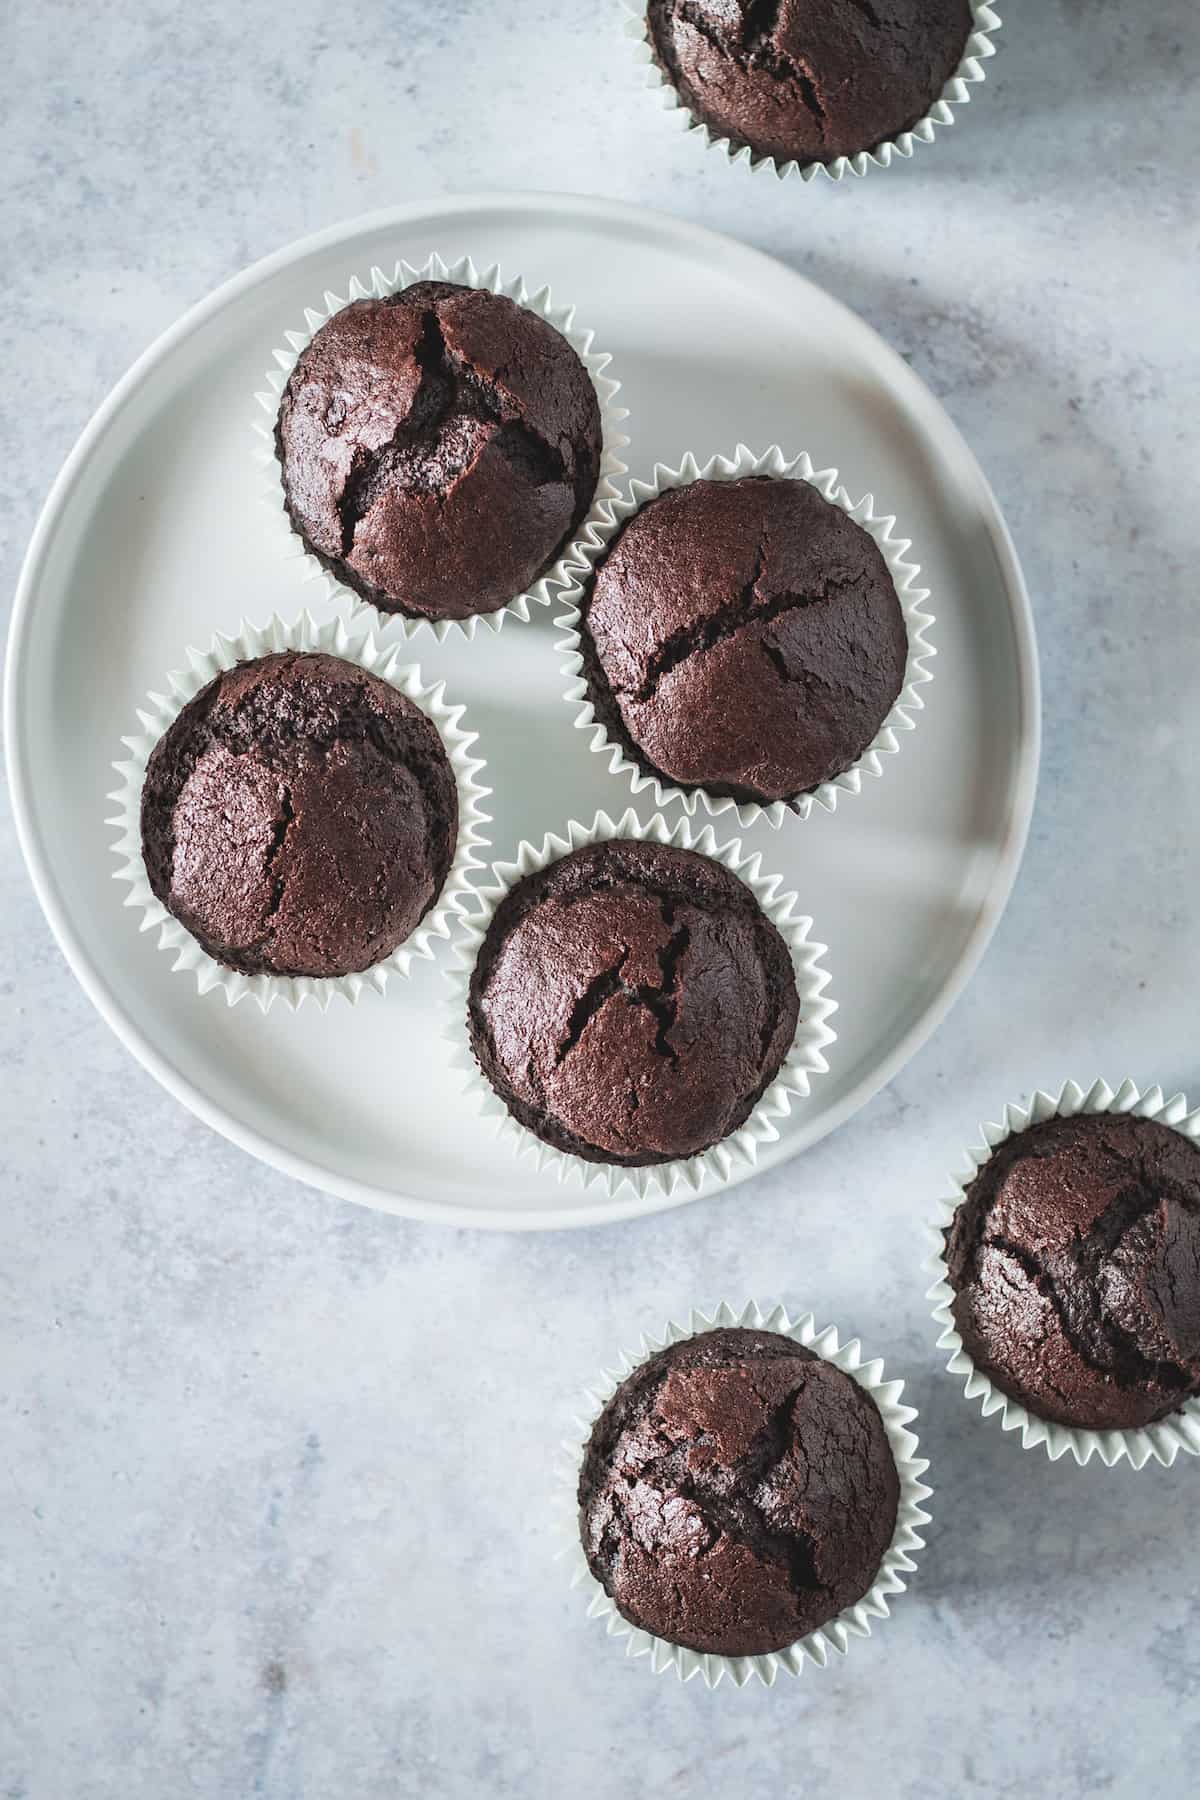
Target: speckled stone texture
[(744, 637), (1075, 1259), (737, 1493), (438, 448), (220, 1576)]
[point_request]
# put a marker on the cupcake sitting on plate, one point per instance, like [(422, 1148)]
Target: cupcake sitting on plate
[(631, 1002), (440, 442), (746, 637), (299, 815), (636, 1008)]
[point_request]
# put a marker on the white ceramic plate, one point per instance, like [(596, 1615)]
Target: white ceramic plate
[(152, 538)]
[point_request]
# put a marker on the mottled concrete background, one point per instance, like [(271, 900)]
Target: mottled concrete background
[(273, 1495)]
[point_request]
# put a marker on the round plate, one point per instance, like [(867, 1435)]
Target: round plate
[(152, 539)]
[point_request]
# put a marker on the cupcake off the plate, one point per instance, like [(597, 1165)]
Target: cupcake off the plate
[(635, 1004), (1068, 1273), (299, 815), (740, 635), (743, 1495), (834, 89), (437, 442)]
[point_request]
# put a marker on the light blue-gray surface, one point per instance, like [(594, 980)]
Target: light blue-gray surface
[(274, 1500)]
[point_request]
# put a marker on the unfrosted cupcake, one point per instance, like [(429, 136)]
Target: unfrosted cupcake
[(438, 448), (809, 81), (1074, 1260), (299, 817), (631, 1002), (744, 638), (737, 1493)]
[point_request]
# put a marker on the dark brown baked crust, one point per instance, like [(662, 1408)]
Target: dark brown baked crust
[(744, 637), (737, 1492), (804, 82), (299, 817), (631, 1003), (1075, 1259), (439, 448)]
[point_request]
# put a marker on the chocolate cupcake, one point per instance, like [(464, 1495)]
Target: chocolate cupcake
[(299, 816), (809, 83), (745, 638), (631, 1003), (439, 448), (737, 1493), (1074, 1263)]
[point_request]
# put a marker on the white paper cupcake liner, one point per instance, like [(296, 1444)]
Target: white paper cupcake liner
[(736, 1154), (1162, 1441), (159, 713), (743, 463), (855, 1621), (378, 285), (957, 92)]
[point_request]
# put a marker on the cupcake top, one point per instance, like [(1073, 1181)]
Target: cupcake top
[(1075, 1260), (299, 817), (809, 80), (438, 448), (737, 1493), (744, 637), (632, 1002)]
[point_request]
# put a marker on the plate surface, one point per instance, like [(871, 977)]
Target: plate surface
[(152, 539)]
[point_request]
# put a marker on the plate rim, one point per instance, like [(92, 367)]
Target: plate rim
[(713, 244)]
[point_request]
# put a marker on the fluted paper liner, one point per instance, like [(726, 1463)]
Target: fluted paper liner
[(1161, 1441), (160, 711), (742, 464), (379, 285), (899, 1558), (735, 1155), (957, 92)]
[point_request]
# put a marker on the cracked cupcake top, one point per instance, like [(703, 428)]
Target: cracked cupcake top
[(809, 80), (631, 1003), (737, 1492), (299, 817), (438, 448), (1075, 1259), (744, 637)]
